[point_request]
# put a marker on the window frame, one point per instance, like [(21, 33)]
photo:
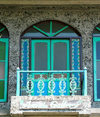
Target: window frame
[(6, 40), (95, 39), (52, 51), (71, 39), (33, 51)]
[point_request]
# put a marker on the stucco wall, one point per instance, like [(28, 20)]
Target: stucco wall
[(17, 19)]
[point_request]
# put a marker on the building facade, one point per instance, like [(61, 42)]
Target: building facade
[(49, 56)]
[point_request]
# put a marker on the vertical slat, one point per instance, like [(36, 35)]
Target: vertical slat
[(94, 58), (18, 82), (50, 28), (6, 69), (85, 82)]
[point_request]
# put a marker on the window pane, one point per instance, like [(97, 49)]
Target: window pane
[(98, 69), (57, 26), (41, 56), (98, 89), (98, 50), (68, 32), (2, 50), (33, 33), (1, 89), (45, 26), (2, 70), (4, 34), (60, 56)]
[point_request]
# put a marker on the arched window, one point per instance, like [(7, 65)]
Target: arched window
[(96, 62), (50, 45), (3, 62)]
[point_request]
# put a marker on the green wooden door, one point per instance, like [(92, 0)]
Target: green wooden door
[(51, 55), (60, 61), (40, 61)]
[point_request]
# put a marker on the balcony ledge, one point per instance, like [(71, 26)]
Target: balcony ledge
[(21, 105)]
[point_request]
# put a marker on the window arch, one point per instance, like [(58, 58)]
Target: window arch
[(96, 62), (50, 29), (50, 45), (3, 62)]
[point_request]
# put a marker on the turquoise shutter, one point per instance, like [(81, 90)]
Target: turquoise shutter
[(96, 58), (3, 69)]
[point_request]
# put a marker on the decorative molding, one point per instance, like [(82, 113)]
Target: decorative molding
[(21, 104), (24, 61), (76, 59), (49, 2), (63, 104)]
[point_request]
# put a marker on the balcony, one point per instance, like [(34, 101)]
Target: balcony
[(50, 93), (50, 82)]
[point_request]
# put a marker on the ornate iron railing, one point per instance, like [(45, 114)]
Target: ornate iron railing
[(50, 82)]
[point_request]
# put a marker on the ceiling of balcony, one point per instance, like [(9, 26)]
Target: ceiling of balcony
[(49, 2)]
